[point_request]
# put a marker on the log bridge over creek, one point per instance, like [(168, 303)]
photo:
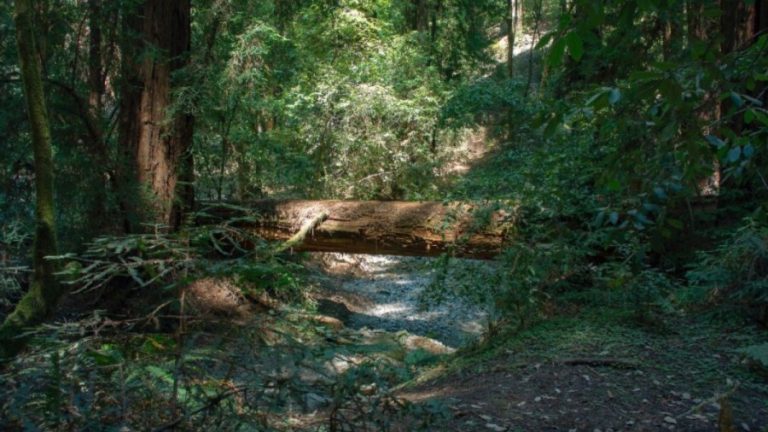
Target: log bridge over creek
[(426, 228)]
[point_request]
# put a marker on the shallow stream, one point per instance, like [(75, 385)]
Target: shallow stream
[(385, 293)]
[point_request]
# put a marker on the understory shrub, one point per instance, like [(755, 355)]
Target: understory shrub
[(735, 273)]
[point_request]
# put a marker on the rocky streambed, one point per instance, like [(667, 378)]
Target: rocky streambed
[(371, 333), (386, 293)]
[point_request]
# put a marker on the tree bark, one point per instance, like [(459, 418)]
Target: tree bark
[(377, 227), (97, 88), (159, 141), (512, 21), (537, 17), (672, 38), (738, 25), (419, 15), (760, 27), (44, 292), (95, 74), (695, 17)]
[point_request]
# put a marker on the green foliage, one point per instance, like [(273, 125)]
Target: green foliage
[(736, 271), (61, 50), (125, 380), (648, 115), (643, 292), (99, 373), (524, 282), (362, 400), (758, 355), (15, 240), (483, 100), (519, 285), (369, 141), (602, 163), (171, 261), (341, 98)]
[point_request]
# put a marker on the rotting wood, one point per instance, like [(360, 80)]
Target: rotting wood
[(426, 228)]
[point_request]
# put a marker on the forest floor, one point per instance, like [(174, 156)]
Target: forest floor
[(587, 368), (588, 373)]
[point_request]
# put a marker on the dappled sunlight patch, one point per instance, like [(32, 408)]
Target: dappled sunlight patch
[(218, 296), (589, 374), (388, 309), (432, 346), (470, 152), (385, 292)]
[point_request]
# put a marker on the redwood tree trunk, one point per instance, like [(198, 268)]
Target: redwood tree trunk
[(740, 25), (157, 140)]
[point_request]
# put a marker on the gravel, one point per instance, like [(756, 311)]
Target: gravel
[(392, 287)]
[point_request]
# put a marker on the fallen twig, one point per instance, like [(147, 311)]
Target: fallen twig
[(600, 362), (211, 403), (712, 400)]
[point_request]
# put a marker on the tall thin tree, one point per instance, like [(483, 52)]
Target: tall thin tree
[(44, 292), (512, 23), (538, 11)]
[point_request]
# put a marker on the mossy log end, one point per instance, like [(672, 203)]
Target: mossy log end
[(379, 227)]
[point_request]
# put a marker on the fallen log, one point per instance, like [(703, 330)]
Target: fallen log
[(374, 227)]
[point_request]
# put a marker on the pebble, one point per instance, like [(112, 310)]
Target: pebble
[(394, 286), (339, 365), (309, 376), (368, 390)]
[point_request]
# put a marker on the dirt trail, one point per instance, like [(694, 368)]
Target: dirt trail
[(583, 374)]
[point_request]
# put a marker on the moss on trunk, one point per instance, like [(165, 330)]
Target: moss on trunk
[(44, 291)]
